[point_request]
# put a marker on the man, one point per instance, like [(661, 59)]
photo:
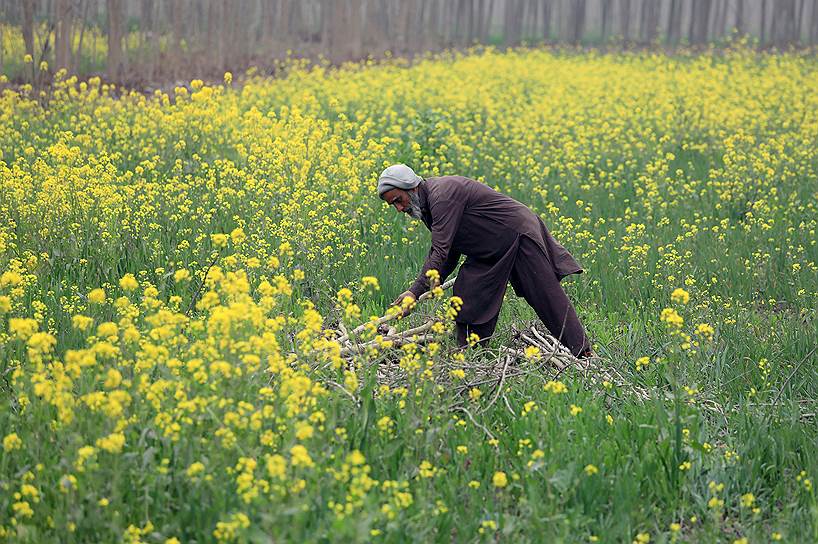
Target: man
[(503, 241)]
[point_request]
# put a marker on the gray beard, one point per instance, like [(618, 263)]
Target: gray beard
[(414, 206)]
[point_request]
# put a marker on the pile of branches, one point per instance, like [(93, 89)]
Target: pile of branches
[(486, 365)]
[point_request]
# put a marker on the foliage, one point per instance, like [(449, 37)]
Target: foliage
[(167, 264)]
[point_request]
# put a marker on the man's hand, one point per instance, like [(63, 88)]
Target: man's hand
[(406, 302)]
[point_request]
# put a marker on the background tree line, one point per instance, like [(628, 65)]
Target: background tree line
[(151, 41)]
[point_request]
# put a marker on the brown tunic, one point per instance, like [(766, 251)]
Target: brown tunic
[(469, 218)]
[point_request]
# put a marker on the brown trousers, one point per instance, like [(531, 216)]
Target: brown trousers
[(533, 278)]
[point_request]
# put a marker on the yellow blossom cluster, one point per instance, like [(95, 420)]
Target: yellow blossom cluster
[(170, 265)]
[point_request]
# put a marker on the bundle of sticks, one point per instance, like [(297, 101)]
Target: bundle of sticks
[(488, 365)]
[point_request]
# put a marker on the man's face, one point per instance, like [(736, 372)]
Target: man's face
[(404, 201), (397, 198)]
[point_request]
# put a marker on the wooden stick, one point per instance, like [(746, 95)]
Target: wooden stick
[(389, 317)]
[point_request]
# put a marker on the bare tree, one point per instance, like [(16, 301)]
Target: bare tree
[(62, 36), (546, 19), (674, 21), (783, 28), (741, 23), (606, 10), (699, 21), (813, 27), (28, 25), (114, 40), (626, 20), (649, 21), (83, 21)]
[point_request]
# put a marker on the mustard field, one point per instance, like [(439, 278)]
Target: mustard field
[(172, 268)]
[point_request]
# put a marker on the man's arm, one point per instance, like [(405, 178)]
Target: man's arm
[(446, 220)]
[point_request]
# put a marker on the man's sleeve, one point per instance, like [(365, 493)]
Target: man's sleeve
[(447, 215)]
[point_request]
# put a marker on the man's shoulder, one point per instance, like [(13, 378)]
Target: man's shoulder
[(447, 185), (444, 180)]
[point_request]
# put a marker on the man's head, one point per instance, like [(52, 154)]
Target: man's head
[(398, 186)]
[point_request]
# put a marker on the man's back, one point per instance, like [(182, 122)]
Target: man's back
[(488, 221)]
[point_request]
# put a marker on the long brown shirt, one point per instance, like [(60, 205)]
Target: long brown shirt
[(469, 218)]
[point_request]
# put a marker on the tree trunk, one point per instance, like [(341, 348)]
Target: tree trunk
[(76, 65), (114, 40), (62, 36), (577, 24), (546, 20), (674, 22), (486, 30), (28, 25), (648, 21), (605, 22), (740, 25), (626, 20), (700, 21), (813, 27), (783, 27), (799, 21)]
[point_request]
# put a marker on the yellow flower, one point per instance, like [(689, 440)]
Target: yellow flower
[(97, 296), (195, 469), (487, 525), (23, 327), (705, 330), (10, 278), (457, 373), (371, 281), (575, 410), (351, 381), (747, 500), (181, 275), (22, 509), (12, 442), (642, 538), (672, 318), (385, 424), (42, 342), (299, 456), (238, 236), (642, 362), (112, 443), (590, 470), (426, 469), (715, 503), (555, 387), (128, 282), (113, 378), (499, 479), (107, 329), (532, 353), (679, 295), (219, 240)]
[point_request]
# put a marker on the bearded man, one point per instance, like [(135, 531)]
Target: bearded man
[(503, 241)]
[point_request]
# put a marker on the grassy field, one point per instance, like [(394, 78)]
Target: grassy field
[(168, 263)]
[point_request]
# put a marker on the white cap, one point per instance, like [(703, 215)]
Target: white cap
[(397, 176)]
